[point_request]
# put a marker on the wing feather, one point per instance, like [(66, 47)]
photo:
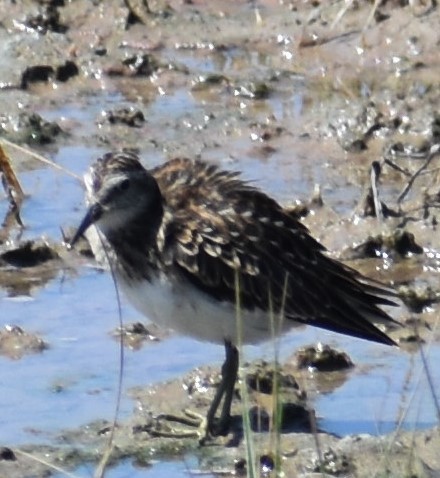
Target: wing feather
[(223, 226)]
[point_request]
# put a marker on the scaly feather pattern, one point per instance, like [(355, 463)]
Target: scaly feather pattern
[(207, 227), (181, 236)]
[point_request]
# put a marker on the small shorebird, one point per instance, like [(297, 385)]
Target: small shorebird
[(188, 241)]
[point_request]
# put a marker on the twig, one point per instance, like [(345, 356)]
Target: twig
[(49, 465), (395, 166), (40, 158), (371, 15), (13, 190), (100, 469), (374, 177), (430, 382), (341, 13), (345, 8), (432, 153), (11, 178)]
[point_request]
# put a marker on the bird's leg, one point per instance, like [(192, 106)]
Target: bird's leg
[(225, 391), (203, 427)]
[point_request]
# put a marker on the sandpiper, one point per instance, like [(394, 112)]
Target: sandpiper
[(188, 240)]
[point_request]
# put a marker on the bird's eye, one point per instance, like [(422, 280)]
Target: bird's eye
[(124, 185)]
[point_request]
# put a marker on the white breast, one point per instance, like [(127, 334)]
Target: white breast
[(178, 305)]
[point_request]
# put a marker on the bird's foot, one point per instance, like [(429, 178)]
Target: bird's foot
[(196, 424)]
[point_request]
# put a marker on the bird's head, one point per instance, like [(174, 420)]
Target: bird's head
[(121, 194)]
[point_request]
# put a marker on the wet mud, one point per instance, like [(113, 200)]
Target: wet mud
[(332, 107)]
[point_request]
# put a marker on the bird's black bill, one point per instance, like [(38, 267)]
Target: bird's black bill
[(93, 214)]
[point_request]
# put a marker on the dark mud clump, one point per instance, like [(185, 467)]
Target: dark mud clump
[(132, 117), (29, 254), (135, 335), (322, 358), (29, 128), (26, 266), (399, 242)]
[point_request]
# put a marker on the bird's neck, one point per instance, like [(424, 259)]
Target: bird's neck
[(135, 245)]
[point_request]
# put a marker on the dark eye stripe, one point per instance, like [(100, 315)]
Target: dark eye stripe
[(124, 185)]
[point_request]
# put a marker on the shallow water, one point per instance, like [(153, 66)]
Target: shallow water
[(164, 469), (75, 380)]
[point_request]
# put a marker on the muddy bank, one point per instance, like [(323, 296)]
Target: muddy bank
[(293, 94), (303, 449)]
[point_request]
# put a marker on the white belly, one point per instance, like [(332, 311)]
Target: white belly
[(179, 306)]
